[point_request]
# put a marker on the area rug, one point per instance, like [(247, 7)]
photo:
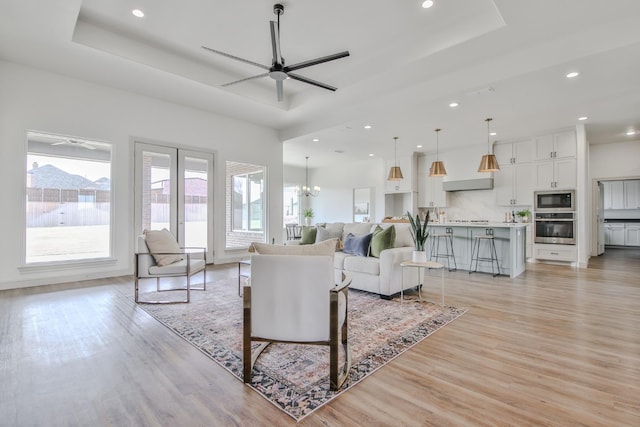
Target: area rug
[(295, 378)]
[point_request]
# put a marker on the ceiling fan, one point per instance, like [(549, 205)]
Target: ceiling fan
[(76, 143), (278, 71)]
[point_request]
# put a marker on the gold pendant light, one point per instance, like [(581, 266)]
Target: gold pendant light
[(437, 167), (395, 174), (488, 163)]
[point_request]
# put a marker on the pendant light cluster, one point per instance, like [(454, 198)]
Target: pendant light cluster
[(488, 163), (437, 167), (395, 174)]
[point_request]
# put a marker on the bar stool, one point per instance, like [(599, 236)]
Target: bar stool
[(475, 251), (448, 248)]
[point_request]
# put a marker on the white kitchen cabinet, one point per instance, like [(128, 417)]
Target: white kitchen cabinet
[(408, 167), (513, 185), (631, 190), (632, 234), (513, 152), (555, 146), (614, 234), (554, 174), (551, 252), (613, 194), (430, 192)]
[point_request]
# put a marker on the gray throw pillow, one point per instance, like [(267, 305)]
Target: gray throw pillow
[(325, 234)]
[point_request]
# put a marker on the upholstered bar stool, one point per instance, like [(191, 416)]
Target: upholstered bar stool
[(447, 236), (491, 245)]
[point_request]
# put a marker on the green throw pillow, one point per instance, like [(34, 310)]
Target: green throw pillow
[(382, 239), (308, 235)]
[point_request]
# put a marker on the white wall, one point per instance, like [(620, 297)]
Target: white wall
[(615, 160), (335, 202), (36, 100)]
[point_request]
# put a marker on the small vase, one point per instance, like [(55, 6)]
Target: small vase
[(307, 221), (419, 256)]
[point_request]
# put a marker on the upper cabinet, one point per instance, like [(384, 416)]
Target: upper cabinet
[(408, 167), (556, 146), (632, 194), (622, 194), (430, 192), (555, 161), (513, 181), (514, 152)]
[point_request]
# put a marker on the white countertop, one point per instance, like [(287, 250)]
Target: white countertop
[(480, 225)]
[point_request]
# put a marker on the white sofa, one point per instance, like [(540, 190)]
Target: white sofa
[(382, 275)]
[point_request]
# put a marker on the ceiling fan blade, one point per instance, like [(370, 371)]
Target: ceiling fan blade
[(312, 82), (246, 61), (279, 90), (316, 61), (275, 42), (245, 79)]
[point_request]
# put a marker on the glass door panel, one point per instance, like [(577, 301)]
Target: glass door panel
[(193, 217), (173, 190)]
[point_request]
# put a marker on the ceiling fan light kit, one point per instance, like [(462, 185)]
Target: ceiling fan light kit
[(278, 71), (488, 163)]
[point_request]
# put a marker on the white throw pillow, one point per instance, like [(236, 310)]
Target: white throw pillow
[(163, 246)]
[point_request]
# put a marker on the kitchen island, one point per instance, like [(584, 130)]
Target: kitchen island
[(510, 240)]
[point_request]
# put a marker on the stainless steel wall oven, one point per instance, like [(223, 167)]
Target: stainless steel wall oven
[(555, 227)]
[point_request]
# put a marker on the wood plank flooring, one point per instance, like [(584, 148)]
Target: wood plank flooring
[(556, 346)]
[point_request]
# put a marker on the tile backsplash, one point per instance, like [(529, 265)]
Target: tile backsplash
[(476, 204)]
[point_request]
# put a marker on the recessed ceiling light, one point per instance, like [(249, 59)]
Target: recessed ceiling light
[(138, 13), (493, 133), (427, 4), (419, 146), (315, 140), (367, 126), (453, 104), (572, 74), (370, 154), (583, 118), (631, 132)]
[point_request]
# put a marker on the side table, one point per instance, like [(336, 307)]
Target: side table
[(419, 266)]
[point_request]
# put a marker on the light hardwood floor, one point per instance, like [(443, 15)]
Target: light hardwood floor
[(556, 346)]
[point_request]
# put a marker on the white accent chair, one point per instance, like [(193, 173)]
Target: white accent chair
[(190, 261), (294, 299)]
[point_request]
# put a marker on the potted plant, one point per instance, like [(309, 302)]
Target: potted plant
[(419, 233), (308, 215), (524, 215)]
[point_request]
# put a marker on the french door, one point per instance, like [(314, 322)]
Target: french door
[(174, 190)]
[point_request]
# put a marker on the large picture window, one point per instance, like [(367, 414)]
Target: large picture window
[(246, 213), (68, 203)]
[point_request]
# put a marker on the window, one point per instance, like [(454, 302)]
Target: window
[(68, 203), (246, 213), (291, 208)]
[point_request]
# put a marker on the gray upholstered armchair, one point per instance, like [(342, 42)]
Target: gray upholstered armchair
[(294, 299)]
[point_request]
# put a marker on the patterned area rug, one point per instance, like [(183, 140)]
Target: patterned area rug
[(295, 378)]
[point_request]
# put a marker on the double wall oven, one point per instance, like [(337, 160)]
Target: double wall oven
[(555, 220)]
